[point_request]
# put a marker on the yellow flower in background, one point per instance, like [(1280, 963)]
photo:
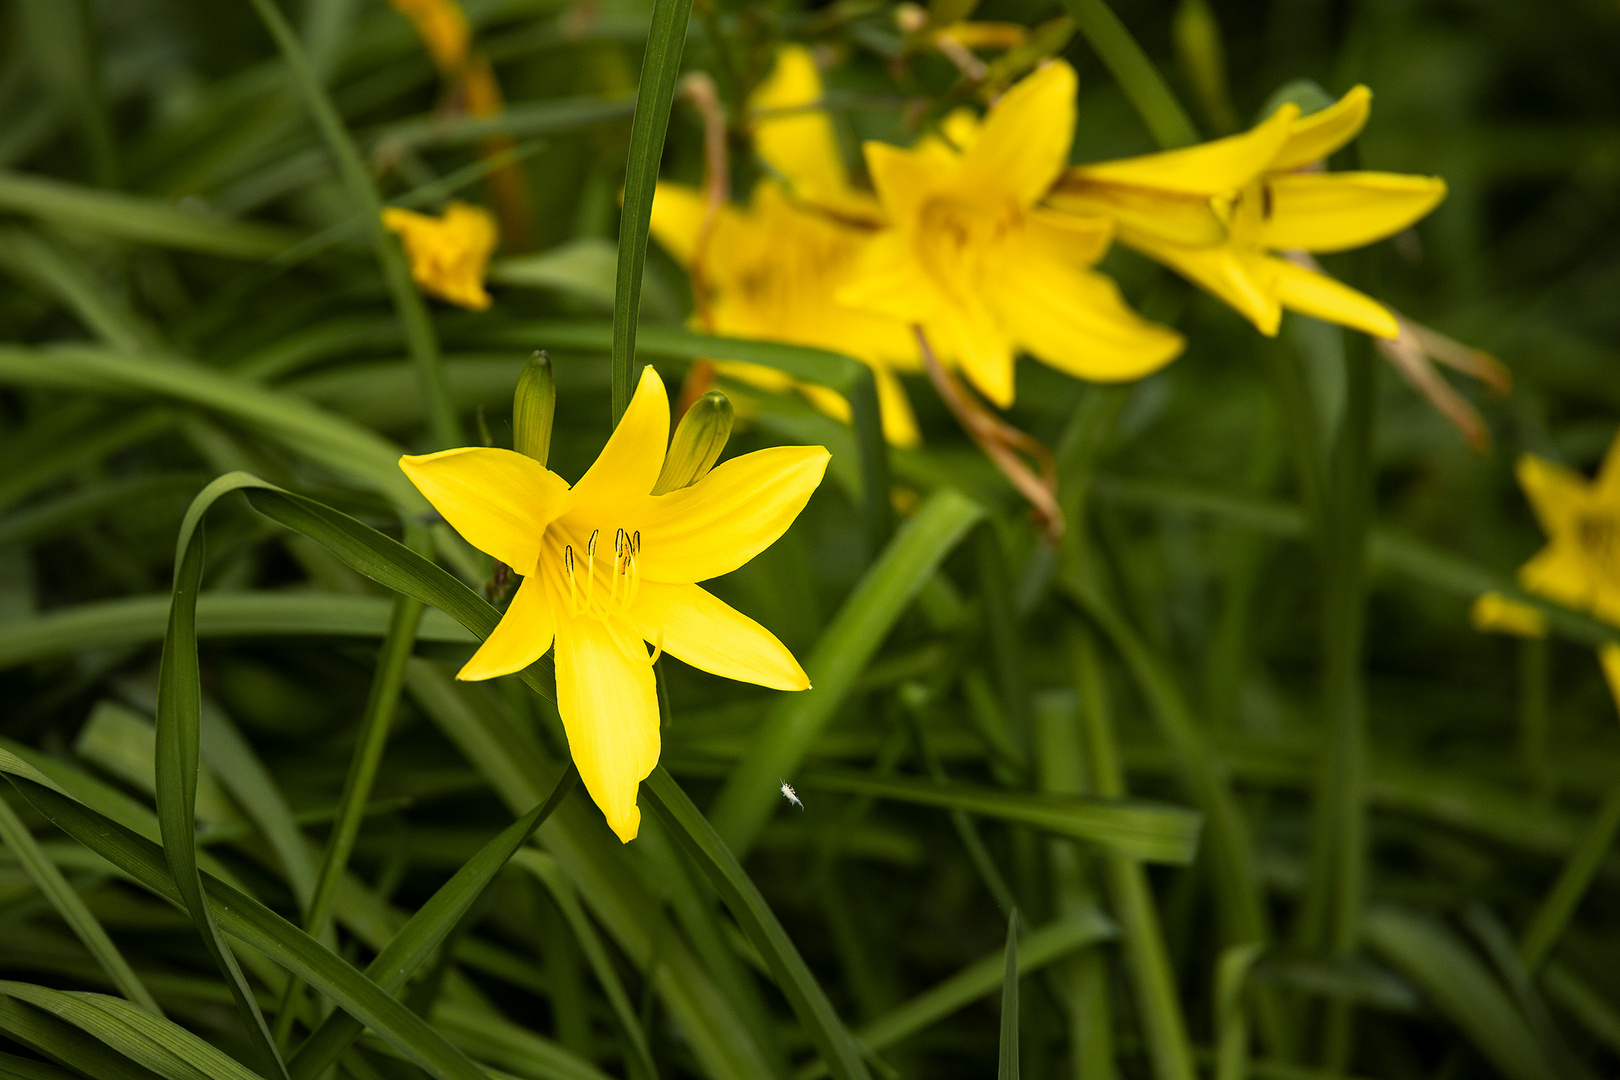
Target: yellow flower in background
[(1216, 213), (609, 567), (1580, 566), (1493, 613), (442, 26), (972, 257), (772, 270), (448, 254)]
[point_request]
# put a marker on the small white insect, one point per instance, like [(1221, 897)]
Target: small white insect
[(790, 795)]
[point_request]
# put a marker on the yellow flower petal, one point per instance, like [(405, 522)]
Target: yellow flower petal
[(1557, 494), (1212, 168), (969, 334), (1312, 138), (448, 254), (442, 26), (729, 516), (629, 464), (1494, 613), (1338, 211), (698, 629), (801, 146), (899, 422), (1076, 321), (1023, 144), (499, 500), (1559, 572), (521, 637), (1609, 657), (1310, 293), (905, 180), (1244, 280), (608, 700), (677, 219), (1170, 217)]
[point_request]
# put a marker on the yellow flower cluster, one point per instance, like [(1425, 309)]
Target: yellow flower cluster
[(984, 238)]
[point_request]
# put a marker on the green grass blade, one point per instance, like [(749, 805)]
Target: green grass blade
[(842, 652), (420, 338), (700, 840), (35, 260), (1558, 906), (1151, 832), (1146, 89), (72, 908), (660, 67), (13, 1067), (1007, 1058), (56, 1038), (1231, 1017)]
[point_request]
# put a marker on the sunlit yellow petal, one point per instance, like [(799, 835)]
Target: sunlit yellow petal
[(521, 637), (1244, 280), (1211, 168), (1076, 321), (1070, 238), (1609, 657), (609, 706), (1557, 494), (1312, 138), (1023, 144), (729, 516), (799, 145), (677, 219), (448, 254), (888, 280), (634, 455), (969, 334), (1170, 217), (899, 422), (1342, 210), (443, 29), (826, 400), (499, 500), (1559, 573), (1311, 293), (1496, 614), (698, 629), (904, 180)]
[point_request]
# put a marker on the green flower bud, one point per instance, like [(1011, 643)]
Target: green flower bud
[(533, 406), (699, 438)]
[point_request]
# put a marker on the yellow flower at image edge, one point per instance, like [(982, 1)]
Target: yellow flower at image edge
[(1580, 566), (972, 256), (609, 568), (449, 254)]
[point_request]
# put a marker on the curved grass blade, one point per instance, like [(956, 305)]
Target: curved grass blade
[(700, 840), (61, 1041), (1231, 1016), (13, 1067), (72, 908), (1007, 1059), (842, 652), (660, 66)]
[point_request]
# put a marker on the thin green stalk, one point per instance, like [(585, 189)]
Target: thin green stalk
[(420, 339), (660, 67), (1137, 76), (372, 739), (1559, 905)]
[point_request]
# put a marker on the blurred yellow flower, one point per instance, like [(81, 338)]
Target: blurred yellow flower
[(442, 26), (448, 254), (1580, 566), (972, 257), (607, 567), (772, 270), (1216, 213), (1493, 613)]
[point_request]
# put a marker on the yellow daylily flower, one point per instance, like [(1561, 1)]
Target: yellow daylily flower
[(1493, 613), (1219, 213), (1580, 566), (448, 254), (972, 257), (442, 26), (772, 269), (609, 567)]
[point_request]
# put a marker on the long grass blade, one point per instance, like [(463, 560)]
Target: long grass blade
[(1007, 1058)]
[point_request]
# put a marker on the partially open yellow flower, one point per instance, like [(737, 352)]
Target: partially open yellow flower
[(1580, 566), (772, 270), (973, 258), (448, 254), (608, 567), (1494, 613), (442, 26), (1218, 212)]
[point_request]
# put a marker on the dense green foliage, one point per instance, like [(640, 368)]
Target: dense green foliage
[(1253, 639)]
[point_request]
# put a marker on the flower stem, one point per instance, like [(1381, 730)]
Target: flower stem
[(1147, 91)]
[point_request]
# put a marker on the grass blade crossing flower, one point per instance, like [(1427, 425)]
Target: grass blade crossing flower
[(608, 567)]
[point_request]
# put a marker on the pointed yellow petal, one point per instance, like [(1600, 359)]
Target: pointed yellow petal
[(1310, 293), (799, 145), (1171, 217), (1246, 281), (499, 500), (1609, 657), (889, 280), (609, 706), (904, 180), (1212, 168), (729, 516), (677, 219), (970, 335), (899, 422), (630, 463), (698, 629), (1076, 321), (1494, 613), (1023, 144), (1557, 494), (1339, 211), (1314, 137), (521, 637), (1558, 572)]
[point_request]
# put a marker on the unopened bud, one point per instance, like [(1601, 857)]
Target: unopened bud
[(699, 438), (1306, 93), (533, 406), (1203, 58)]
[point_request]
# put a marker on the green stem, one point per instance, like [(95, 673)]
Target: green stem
[(1559, 906), (1535, 720), (1147, 91), (420, 338), (660, 66)]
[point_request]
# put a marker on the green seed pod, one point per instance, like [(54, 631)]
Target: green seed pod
[(699, 438), (533, 406)]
